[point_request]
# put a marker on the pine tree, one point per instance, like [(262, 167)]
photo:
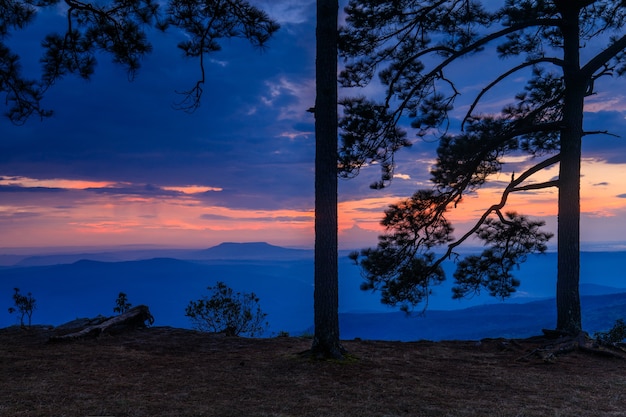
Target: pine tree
[(118, 29), (413, 46)]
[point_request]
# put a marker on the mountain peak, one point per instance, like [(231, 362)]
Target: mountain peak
[(244, 245), (253, 251)]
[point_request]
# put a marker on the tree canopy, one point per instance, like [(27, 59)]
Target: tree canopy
[(118, 28), (413, 47)]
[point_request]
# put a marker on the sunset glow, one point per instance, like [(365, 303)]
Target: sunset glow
[(52, 183), (111, 171), (82, 215), (192, 189)]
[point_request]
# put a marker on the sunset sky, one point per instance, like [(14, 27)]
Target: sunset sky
[(117, 165)]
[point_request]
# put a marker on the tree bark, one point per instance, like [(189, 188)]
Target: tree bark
[(326, 342), (568, 234)]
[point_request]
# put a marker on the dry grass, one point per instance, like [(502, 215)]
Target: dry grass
[(174, 372)]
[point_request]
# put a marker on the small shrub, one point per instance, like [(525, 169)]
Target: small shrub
[(121, 304), (24, 304), (615, 335), (225, 311)]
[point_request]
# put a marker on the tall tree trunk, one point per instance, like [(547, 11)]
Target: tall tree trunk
[(568, 262), (326, 342)]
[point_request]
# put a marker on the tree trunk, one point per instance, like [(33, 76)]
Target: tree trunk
[(326, 342), (568, 234)]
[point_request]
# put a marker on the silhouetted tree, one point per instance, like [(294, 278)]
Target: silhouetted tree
[(326, 343), (25, 305), (412, 45), (227, 312), (122, 304), (118, 28)]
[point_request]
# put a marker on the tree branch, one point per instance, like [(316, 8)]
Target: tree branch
[(603, 57), (537, 186), (600, 132), (513, 70), (464, 51), (499, 206), (517, 131)]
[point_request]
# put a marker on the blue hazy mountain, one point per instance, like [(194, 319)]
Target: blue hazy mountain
[(283, 280), (509, 320), (223, 251), (89, 288), (54, 258), (251, 251)]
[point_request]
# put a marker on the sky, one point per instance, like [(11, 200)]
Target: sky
[(117, 165)]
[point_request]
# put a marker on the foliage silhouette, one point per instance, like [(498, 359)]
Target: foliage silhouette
[(25, 305), (121, 304), (413, 46), (225, 311), (615, 335), (119, 29)]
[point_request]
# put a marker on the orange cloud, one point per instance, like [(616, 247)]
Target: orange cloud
[(80, 217), (192, 189), (54, 183)]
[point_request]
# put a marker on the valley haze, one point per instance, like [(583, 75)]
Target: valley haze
[(73, 283)]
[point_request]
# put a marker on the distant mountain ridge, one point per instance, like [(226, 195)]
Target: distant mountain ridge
[(109, 256), (252, 251), (223, 251), (86, 288), (507, 320)]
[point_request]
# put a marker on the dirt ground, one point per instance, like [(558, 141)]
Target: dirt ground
[(174, 372)]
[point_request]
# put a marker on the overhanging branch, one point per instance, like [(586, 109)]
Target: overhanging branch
[(538, 186), (513, 186), (467, 50), (600, 132), (495, 82), (603, 57)]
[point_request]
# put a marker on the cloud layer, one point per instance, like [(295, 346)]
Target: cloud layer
[(118, 164)]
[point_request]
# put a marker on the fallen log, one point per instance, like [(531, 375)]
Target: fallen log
[(134, 318)]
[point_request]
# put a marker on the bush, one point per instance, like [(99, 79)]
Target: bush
[(225, 311), (24, 304), (615, 335), (121, 304)]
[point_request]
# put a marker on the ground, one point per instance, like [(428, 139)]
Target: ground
[(174, 372)]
